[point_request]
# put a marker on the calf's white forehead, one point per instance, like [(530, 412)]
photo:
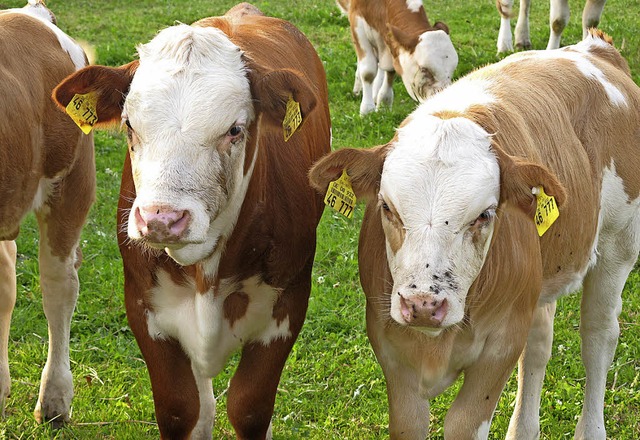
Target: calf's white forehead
[(440, 168), (190, 81), (435, 51)]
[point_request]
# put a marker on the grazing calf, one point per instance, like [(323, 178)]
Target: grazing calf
[(456, 277), (46, 166), (395, 36), (216, 217), (558, 19)]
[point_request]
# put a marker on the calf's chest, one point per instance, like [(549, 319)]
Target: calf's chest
[(210, 326)]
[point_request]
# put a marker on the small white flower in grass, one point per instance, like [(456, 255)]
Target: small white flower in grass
[(356, 393), (320, 279), (287, 417)]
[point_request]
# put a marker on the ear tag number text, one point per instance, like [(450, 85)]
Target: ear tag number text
[(340, 195), (292, 118), (546, 212), (82, 109)]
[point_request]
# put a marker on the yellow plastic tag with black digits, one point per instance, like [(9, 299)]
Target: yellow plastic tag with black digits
[(292, 118), (340, 195), (82, 109), (546, 212)]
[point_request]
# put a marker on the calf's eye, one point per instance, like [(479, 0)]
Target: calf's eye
[(235, 131), (484, 217)]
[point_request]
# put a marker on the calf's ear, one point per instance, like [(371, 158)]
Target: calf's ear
[(271, 90), (110, 85), (441, 26), (364, 167), (517, 179)]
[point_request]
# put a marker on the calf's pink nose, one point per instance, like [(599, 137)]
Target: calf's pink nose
[(426, 310), (161, 224)]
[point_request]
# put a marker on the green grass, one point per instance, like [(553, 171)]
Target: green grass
[(332, 387)]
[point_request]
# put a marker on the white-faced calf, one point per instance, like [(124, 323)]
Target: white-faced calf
[(46, 166), (456, 276), (216, 217), (395, 36)]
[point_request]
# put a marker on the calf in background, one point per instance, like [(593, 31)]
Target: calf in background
[(395, 36), (46, 166)]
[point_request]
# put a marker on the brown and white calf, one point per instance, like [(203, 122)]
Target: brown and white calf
[(46, 166), (456, 278), (558, 19), (217, 219), (395, 36)]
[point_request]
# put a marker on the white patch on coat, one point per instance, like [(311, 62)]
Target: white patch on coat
[(197, 320), (430, 67), (483, 431), (191, 87), (40, 12), (440, 176), (414, 5), (580, 57), (373, 43), (206, 418), (45, 188)]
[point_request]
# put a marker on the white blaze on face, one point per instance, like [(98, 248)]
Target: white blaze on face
[(441, 185), (187, 102), (430, 67)]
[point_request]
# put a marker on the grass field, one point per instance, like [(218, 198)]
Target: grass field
[(332, 387)]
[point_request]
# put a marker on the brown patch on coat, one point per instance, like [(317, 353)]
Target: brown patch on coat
[(448, 114), (235, 307)]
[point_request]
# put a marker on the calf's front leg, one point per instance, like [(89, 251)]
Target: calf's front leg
[(525, 421), (252, 391), (8, 253), (469, 418)]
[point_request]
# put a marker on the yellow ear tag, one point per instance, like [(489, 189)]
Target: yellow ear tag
[(546, 212), (82, 109), (340, 195), (292, 118)]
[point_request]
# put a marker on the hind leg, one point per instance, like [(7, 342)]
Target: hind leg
[(60, 222), (523, 40), (7, 302), (558, 18), (505, 40), (599, 329), (384, 94), (591, 15), (60, 287)]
